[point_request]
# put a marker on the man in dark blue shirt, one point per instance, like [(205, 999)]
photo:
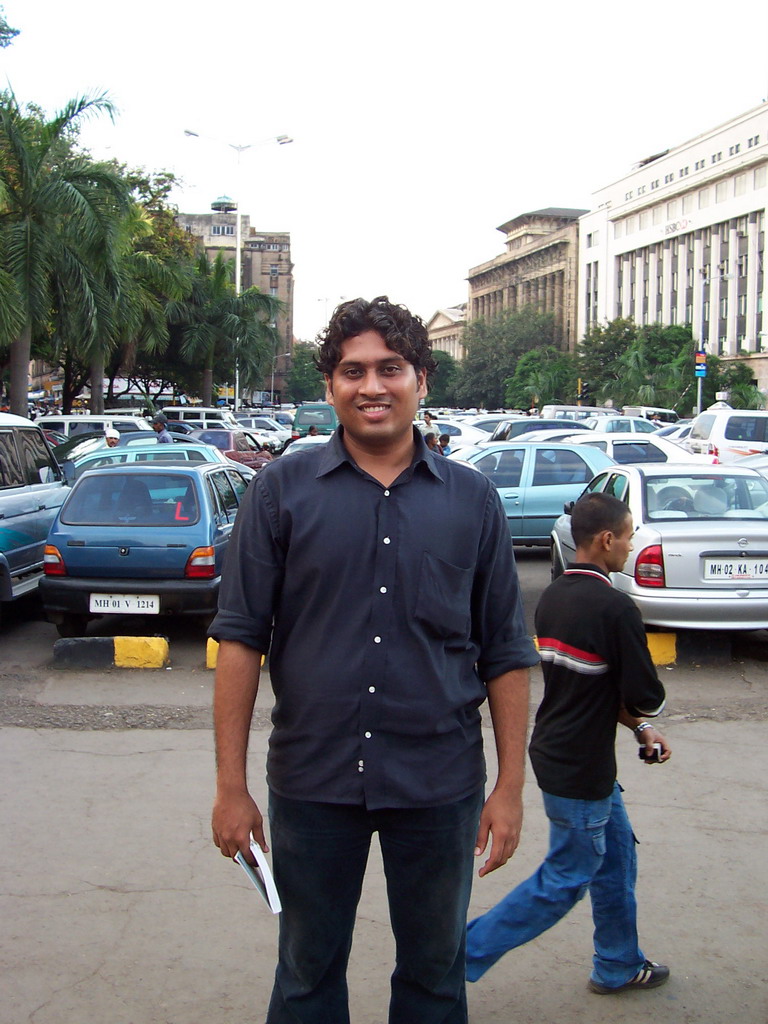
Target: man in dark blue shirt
[(381, 579)]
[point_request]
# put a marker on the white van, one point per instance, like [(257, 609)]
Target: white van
[(573, 412), (730, 434), (210, 416), (70, 425), (651, 412)]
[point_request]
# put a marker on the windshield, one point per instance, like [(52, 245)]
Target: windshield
[(702, 496), (135, 499)]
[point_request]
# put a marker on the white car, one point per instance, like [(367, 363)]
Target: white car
[(636, 449), (460, 433), (621, 425), (301, 444)]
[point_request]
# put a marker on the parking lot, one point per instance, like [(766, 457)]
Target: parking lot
[(117, 907)]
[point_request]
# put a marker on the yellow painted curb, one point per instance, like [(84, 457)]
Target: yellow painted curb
[(663, 647), (211, 653), (141, 652)]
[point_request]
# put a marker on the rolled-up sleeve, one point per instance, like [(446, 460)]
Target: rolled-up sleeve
[(252, 575), (497, 606)]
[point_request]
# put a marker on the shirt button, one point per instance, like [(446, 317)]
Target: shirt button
[(386, 494), (377, 639), (361, 769), (367, 735), (371, 689), (387, 540), (382, 590), (361, 763)]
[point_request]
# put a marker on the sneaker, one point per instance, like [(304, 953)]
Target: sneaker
[(650, 975)]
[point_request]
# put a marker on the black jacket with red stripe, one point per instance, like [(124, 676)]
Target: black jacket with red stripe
[(595, 658)]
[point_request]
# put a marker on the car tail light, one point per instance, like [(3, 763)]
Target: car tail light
[(53, 563), (713, 450), (649, 567), (295, 435), (201, 564)]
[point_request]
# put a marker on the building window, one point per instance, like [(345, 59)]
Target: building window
[(724, 307), (687, 203), (216, 229), (654, 184), (273, 291), (740, 184), (699, 164), (760, 176), (668, 178), (754, 141), (618, 229), (630, 226), (643, 220), (656, 215), (273, 268), (628, 195), (721, 191), (683, 172), (716, 158), (741, 307), (672, 209), (640, 190), (704, 198), (733, 150)]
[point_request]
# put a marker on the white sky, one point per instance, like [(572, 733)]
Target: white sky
[(419, 126)]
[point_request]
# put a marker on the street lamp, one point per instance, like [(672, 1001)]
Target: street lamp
[(227, 205), (274, 364)]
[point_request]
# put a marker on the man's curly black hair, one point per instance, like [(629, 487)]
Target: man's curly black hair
[(403, 331)]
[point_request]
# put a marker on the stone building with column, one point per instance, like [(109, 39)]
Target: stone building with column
[(537, 270), (681, 240), (445, 329)]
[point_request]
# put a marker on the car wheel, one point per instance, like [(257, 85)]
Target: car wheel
[(556, 563), (72, 625)]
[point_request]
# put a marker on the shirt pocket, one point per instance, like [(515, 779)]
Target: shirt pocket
[(443, 598)]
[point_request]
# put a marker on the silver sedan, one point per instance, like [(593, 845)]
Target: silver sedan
[(700, 549)]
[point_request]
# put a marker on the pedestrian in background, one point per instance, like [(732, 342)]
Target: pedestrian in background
[(159, 426), (384, 637), (597, 672)]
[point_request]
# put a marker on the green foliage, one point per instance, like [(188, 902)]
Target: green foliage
[(304, 382), (493, 348), (441, 387), (7, 34), (600, 355), (542, 376)]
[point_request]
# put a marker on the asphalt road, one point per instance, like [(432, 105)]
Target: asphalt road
[(116, 906)]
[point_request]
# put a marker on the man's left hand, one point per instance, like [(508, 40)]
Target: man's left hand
[(502, 818)]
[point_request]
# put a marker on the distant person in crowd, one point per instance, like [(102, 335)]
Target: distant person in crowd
[(430, 440), (111, 437), (159, 426), (313, 431), (429, 425), (445, 444), (378, 675), (597, 673)]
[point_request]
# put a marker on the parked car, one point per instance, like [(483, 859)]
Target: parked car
[(140, 539), (302, 443), (621, 425), (32, 489), (131, 453), (534, 480), (573, 412), (314, 414), (509, 429), (700, 558), (82, 424), (460, 433), (266, 424), (205, 415), (676, 432), (730, 434), (651, 412), (635, 448), (237, 445)]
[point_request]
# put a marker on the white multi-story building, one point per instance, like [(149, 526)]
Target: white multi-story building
[(681, 240)]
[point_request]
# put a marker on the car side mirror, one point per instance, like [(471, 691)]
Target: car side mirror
[(568, 507)]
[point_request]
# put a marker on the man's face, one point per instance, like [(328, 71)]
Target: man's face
[(620, 546), (112, 442), (375, 391)]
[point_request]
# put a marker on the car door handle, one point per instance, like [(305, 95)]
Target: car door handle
[(509, 495)]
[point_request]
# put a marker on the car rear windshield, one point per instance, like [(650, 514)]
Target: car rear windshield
[(706, 497), (218, 438), (314, 417), (746, 428), (132, 499)]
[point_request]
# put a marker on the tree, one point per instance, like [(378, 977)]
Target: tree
[(493, 348), (542, 376), (58, 216), (600, 355), (304, 382), (7, 34), (441, 388), (219, 327)]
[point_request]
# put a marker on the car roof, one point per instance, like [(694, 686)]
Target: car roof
[(9, 419), (690, 469)]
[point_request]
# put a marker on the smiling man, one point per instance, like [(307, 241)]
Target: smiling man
[(380, 578)]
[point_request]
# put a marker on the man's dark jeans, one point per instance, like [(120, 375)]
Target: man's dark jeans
[(319, 854)]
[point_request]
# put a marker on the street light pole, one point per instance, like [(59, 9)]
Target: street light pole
[(274, 363), (281, 140)]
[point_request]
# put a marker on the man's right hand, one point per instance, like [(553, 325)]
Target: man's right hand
[(235, 818)]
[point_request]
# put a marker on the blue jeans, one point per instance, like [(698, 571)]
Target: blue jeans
[(319, 854), (591, 847)]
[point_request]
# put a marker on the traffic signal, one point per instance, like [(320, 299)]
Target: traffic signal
[(584, 393)]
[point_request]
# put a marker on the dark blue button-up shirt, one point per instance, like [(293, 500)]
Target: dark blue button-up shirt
[(385, 610)]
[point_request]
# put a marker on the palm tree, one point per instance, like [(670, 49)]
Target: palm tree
[(58, 215), (220, 327)]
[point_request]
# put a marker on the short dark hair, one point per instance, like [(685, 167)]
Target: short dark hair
[(594, 513), (403, 331)]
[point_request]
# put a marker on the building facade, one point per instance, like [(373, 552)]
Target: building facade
[(538, 270), (265, 264), (681, 240), (446, 328)]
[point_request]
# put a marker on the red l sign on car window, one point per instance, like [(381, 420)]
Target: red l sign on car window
[(179, 517)]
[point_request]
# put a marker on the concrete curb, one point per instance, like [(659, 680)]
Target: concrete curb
[(112, 652)]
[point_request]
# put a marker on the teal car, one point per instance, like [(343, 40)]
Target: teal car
[(534, 480)]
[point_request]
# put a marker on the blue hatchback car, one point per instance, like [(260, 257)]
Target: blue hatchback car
[(140, 539)]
